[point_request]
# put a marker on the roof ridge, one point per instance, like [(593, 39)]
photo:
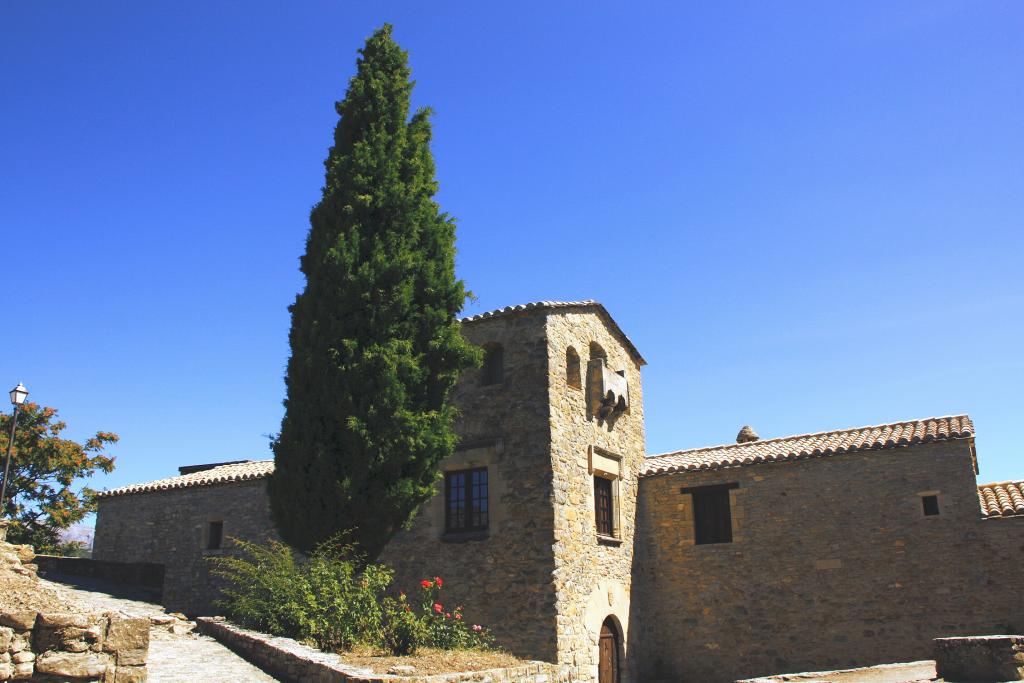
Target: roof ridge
[(809, 434), (1018, 482), (554, 305)]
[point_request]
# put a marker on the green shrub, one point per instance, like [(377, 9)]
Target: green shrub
[(327, 599), (335, 600)]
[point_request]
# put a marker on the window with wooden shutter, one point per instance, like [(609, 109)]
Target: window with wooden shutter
[(712, 514)]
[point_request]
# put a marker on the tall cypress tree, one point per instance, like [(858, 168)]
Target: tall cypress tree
[(376, 347)]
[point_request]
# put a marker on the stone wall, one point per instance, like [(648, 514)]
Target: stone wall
[(833, 565), (592, 575), (50, 646), (169, 527), (292, 661), (503, 576)]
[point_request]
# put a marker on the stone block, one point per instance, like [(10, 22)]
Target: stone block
[(6, 636), (130, 674), (19, 620), (23, 672), (126, 634), (73, 664)]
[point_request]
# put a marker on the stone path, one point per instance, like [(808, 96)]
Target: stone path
[(911, 672), (174, 657)]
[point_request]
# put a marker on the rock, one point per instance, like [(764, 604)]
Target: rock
[(402, 670), (23, 672), (181, 628), (179, 616), (130, 674), (6, 636), (55, 620), (19, 620), (23, 656), (6, 670), (127, 633), (25, 553), (72, 664), (19, 642), (161, 620)]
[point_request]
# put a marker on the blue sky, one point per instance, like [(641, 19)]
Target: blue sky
[(807, 216)]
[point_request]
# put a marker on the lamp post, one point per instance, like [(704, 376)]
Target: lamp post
[(18, 396)]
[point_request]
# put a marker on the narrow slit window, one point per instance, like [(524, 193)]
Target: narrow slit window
[(930, 505), (215, 535), (493, 369), (572, 369)]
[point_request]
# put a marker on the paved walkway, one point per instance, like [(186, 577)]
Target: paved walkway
[(173, 657)]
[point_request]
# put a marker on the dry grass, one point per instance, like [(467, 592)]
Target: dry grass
[(431, 661)]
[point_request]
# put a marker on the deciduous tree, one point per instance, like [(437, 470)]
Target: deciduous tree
[(41, 497), (375, 345)]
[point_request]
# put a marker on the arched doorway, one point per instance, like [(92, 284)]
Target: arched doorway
[(608, 658)]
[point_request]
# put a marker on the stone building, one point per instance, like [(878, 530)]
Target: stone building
[(833, 549)]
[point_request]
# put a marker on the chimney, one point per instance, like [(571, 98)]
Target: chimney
[(746, 435)]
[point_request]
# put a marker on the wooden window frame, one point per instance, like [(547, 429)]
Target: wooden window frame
[(604, 506), (468, 497)]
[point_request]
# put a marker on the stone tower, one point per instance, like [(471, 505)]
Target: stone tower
[(551, 422)]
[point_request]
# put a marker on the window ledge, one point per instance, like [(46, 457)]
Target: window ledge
[(464, 536), (608, 540)]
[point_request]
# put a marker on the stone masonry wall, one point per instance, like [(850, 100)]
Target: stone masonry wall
[(169, 527), (592, 576), (833, 565), (503, 576)]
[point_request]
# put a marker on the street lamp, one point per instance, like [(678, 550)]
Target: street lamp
[(18, 396)]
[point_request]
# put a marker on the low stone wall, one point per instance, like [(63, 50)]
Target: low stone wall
[(293, 661), (147, 576), (980, 658), (86, 647)]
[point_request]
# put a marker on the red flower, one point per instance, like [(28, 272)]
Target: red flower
[(447, 615), (458, 616), (438, 607), (408, 609), (438, 581), (426, 583), (478, 628)]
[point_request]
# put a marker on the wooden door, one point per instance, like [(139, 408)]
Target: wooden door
[(608, 659)]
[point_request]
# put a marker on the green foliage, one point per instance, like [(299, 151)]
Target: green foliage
[(41, 499), (335, 600), (376, 348)]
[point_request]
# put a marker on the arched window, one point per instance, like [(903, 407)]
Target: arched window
[(597, 352), (572, 368), (493, 370)]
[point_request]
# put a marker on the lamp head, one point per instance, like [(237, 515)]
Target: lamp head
[(19, 394)]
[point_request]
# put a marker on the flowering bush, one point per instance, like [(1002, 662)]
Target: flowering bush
[(335, 600), (446, 628)]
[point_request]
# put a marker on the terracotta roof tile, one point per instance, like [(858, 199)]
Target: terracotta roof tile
[(822, 444), (552, 305), (222, 474), (1003, 499)]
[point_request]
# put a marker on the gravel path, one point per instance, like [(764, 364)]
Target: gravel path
[(174, 657)]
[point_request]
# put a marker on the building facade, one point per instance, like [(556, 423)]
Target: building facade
[(554, 529)]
